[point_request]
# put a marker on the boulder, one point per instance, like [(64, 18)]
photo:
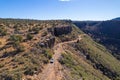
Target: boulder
[(48, 43)]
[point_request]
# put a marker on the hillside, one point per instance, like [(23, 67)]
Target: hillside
[(106, 33), (27, 46)]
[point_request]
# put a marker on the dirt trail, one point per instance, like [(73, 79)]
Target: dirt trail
[(53, 71)]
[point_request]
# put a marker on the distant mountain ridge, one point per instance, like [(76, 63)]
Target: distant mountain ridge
[(117, 19)]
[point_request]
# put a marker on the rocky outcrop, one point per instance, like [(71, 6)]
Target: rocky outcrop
[(51, 30), (59, 30), (48, 43)]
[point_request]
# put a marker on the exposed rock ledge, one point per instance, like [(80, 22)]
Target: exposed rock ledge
[(59, 30), (49, 42)]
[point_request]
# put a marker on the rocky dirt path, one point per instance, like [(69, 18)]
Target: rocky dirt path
[(53, 71)]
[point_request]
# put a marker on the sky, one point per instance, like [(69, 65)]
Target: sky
[(60, 9)]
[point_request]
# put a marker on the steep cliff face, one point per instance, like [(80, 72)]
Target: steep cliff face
[(59, 30), (62, 30), (49, 42)]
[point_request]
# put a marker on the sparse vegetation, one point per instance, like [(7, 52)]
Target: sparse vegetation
[(3, 31), (29, 71), (21, 55), (48, 54), (79, 69), (9, 76), (1, 65), (29, 36), (35, 29), (16, 38), (20, 48), (44, 34), (98, 30), (100, 57), (0, 43)]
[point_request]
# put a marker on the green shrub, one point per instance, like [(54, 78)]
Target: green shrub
[(8, 76), (44, 34), (16, 44), (45, 61), (35, 29), (67, 60), (16, 38), (0, 43), (30, 70), (29, 36), (1, 65), (48, 54), (3, 31), (20, 48)]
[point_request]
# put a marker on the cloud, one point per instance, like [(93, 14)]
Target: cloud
[(64, 0)]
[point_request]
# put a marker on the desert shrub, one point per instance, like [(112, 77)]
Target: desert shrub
[(13, 53), (67, 60), (35, 29), (16, 38), (8, 76), (48, 54), (1, 65), (18, 59), (29, 36), (64, 38), (45, 61), (16, 44), (118, 78), (20, 48), (8, 54), (0, 43), (3, 31), (17, 27), (44, 34), (30, 70)]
